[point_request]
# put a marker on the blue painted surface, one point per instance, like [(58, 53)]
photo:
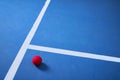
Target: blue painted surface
[(16, 19), (62, 67), (81, 25)]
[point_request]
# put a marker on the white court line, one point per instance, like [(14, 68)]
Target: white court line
[(18, 59), (74, 53)]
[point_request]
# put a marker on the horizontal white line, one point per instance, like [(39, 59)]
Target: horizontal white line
[(74, 53)]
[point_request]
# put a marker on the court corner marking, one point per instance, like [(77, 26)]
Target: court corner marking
[(18, 59)]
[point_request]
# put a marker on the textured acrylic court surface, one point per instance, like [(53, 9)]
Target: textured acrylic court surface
[(16, 19), (81, 25)]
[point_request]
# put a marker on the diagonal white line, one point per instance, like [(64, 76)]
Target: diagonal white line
[(74, 53), (18, 59)]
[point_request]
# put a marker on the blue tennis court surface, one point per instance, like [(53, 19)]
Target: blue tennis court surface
[(78, 40)]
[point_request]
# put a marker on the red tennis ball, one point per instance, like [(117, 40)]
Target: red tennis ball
[(36, 60)]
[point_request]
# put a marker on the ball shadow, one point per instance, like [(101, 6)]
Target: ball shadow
[(43, 67)]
